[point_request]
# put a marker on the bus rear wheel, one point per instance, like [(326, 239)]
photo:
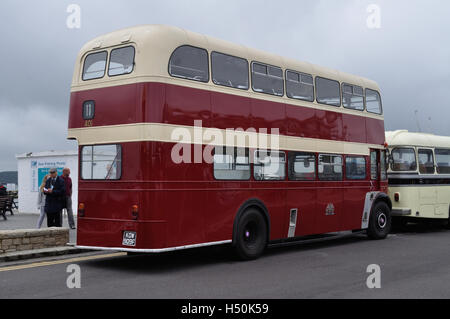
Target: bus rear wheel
[(380, 221), (251, 235)]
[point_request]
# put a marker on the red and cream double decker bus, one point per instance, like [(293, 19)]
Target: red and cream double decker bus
[(138, 92)]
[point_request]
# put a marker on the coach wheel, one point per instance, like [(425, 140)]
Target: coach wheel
[(251, 235), (380, 221)]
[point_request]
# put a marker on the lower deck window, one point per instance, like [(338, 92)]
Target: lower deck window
[(443, 161), (330, 167), (355, 168), (270, 166), (102, 162), (302, 166), (231, 164)]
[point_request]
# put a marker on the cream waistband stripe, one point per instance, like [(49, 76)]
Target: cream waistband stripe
[(167, 133)]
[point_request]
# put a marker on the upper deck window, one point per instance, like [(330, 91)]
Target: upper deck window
[(353, 97), (443, 161), (299, 86), (404, 160), (267, 79), (190, 63), (229, 71), (328, 92), (373, 102), (121, 61), (95, 66)]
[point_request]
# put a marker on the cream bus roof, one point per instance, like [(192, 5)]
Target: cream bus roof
[(405, 138), (155, 44)]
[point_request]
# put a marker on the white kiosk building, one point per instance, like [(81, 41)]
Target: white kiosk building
[(32, 168)]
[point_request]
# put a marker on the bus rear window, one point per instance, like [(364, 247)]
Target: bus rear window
[(404, 160), (103, 162), (443, 161), (95, 66), (121, 61)]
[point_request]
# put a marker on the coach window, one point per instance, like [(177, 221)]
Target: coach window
[(328, 92), (267, 79), (299, 86), (426, 161), (95, 66), (270, 166), (190, 63), (330, 167), (404, 160), (302, 166), (443, 161), (355, 167), (373, 102), (353, 97), (101, 162), (229, 71), (121, 61), (231, 163)]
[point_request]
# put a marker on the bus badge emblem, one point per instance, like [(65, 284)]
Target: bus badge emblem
[(330, 211)]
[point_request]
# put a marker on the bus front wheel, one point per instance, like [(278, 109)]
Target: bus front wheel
[(251, 235), (380, 221)]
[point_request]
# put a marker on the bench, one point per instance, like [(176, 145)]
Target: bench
[(3, 201), (9, 204)]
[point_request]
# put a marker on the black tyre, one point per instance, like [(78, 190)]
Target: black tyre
[(251, 235), (380, 221)]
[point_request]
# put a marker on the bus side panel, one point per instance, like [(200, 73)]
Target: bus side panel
[(354, 129), (185, 105), (268, 115), (303, 198), (354, 198), (330, 125), (375, 131), (329, 207), (301, 122), (230, 111)]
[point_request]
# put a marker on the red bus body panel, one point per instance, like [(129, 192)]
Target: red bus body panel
[(182, 204)]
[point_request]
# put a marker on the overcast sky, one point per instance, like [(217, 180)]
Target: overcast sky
[(409, 55)]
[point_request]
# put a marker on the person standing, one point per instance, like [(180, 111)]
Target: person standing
[(68, 183), (41, 202), (55, 192)]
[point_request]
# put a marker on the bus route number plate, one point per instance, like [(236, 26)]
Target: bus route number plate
[(129, 238)]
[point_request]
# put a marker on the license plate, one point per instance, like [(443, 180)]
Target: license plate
[(129, 238)]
